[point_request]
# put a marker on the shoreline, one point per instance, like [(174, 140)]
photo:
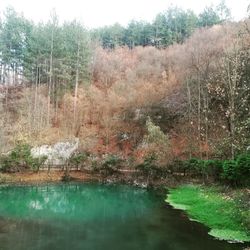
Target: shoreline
[(41, 177), (212, 208), (56, 176)]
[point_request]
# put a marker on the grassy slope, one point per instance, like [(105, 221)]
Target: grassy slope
[(210, 208)]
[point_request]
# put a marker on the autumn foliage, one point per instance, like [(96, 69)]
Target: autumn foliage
[(197, 94)]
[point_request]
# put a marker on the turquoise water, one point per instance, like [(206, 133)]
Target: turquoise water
[(93, 217)]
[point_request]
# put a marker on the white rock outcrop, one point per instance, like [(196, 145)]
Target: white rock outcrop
[(56, 154)]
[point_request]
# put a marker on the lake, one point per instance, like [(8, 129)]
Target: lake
[(96, 217)]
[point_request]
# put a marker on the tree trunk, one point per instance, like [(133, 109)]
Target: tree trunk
[(199, 115), (50, 74), (76, 85), (189, 118)]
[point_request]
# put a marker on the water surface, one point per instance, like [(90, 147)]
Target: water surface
[(96, 217)]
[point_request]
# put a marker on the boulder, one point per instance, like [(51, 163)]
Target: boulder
[(56, 154)]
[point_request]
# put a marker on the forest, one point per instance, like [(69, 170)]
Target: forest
[(173, 90)]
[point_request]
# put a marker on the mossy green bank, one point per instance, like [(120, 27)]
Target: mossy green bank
[(222, 214)]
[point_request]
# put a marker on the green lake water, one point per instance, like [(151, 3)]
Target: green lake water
[(96, 217)]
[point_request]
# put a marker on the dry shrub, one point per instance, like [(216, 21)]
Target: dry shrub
[(123, 82)]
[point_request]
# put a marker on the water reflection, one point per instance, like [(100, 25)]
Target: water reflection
[(93, 217), (73, 202)]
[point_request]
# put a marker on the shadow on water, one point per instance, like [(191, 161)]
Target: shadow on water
[(93, 217)]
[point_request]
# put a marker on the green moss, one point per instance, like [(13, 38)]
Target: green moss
[(229, 235), (207, 206)]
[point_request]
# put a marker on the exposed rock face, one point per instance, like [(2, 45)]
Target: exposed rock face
[(56, 154)]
